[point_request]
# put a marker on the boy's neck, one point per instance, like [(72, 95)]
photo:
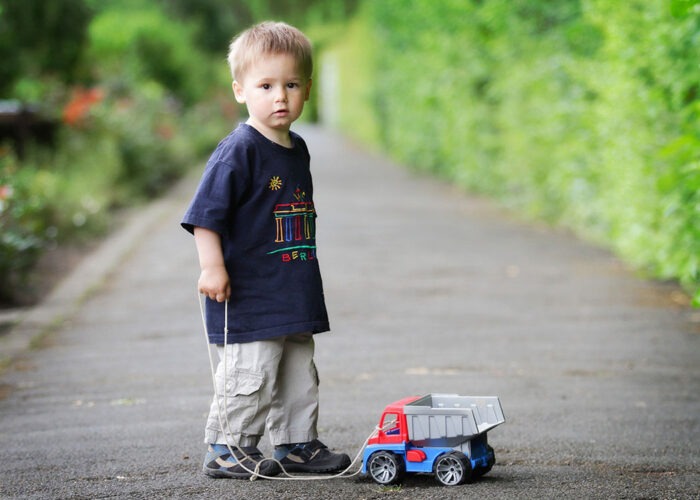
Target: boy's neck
[(281, 137)]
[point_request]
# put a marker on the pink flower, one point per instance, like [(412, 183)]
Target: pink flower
[(5, 192)]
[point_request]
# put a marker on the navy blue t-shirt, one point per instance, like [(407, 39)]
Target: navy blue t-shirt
[(258, 196)]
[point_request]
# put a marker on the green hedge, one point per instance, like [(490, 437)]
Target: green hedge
[(139, 91), (143, 118), (582, 113)]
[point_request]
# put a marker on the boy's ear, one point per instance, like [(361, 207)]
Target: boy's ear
[(238, 92), (308, 90)]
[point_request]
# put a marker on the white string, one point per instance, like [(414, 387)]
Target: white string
[(227, 430)]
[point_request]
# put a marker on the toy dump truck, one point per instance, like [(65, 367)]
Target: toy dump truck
[(440, 434)]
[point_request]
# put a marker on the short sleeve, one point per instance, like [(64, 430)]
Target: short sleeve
[(223, 184)]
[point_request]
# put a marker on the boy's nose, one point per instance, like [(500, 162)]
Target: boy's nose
[(281, 96)]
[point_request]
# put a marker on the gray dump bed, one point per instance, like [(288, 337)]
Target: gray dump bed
[(449, 419)]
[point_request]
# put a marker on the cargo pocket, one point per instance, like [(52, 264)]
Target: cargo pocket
[(245, 382), (243, 397)]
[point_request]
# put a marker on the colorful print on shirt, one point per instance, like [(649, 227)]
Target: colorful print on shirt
[(295, 228)]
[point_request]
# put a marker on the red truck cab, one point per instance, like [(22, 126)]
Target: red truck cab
[(392, 425)]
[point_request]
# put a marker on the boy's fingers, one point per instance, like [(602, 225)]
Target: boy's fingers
[(214, 295)]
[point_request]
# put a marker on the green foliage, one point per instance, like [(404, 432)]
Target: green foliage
[(45, 199), (580, 112), (145, 130), (217, 21), (345, 69), (34, 39), (127, 147), (21, 214), (145, 45), (142, 92)]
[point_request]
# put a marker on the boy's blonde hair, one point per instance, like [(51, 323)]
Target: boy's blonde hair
[(269, 38)]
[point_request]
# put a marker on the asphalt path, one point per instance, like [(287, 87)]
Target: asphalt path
[(428, 289)]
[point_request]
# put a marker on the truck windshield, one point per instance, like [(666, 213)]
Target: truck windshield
[(390, 424)]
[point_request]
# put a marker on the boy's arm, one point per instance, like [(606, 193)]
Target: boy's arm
[(213, 280)]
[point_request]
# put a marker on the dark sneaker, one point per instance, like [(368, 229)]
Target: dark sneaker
[(313, 456), (219, 463)]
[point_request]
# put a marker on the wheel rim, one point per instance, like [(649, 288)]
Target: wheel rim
[(383, 469), (449, 471)]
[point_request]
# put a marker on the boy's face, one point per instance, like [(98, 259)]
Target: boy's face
[(274, 91)]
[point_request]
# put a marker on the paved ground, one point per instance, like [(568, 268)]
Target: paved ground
[(428, 290)]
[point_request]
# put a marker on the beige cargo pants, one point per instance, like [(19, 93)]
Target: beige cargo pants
[(270, 383)]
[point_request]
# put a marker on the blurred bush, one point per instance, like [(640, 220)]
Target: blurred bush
[(35, 41), (136, 105), (580, 112), (145, 45), (140, 91), (22, 230)]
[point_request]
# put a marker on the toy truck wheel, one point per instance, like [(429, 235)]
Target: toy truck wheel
[(452, 469), (386, 468), (480, 471)]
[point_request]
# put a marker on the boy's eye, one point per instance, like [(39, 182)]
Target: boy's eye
[(266, 86), (292, 85)]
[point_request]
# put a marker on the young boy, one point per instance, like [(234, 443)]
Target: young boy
[(253, 221)]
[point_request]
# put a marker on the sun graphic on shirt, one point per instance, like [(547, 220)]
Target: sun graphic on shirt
[(275, 183)]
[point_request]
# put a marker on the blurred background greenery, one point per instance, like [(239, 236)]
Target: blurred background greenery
[(582, 113), (112, 101)]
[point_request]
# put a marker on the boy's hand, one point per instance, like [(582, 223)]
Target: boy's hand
[(213, 280), (214, 283)]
